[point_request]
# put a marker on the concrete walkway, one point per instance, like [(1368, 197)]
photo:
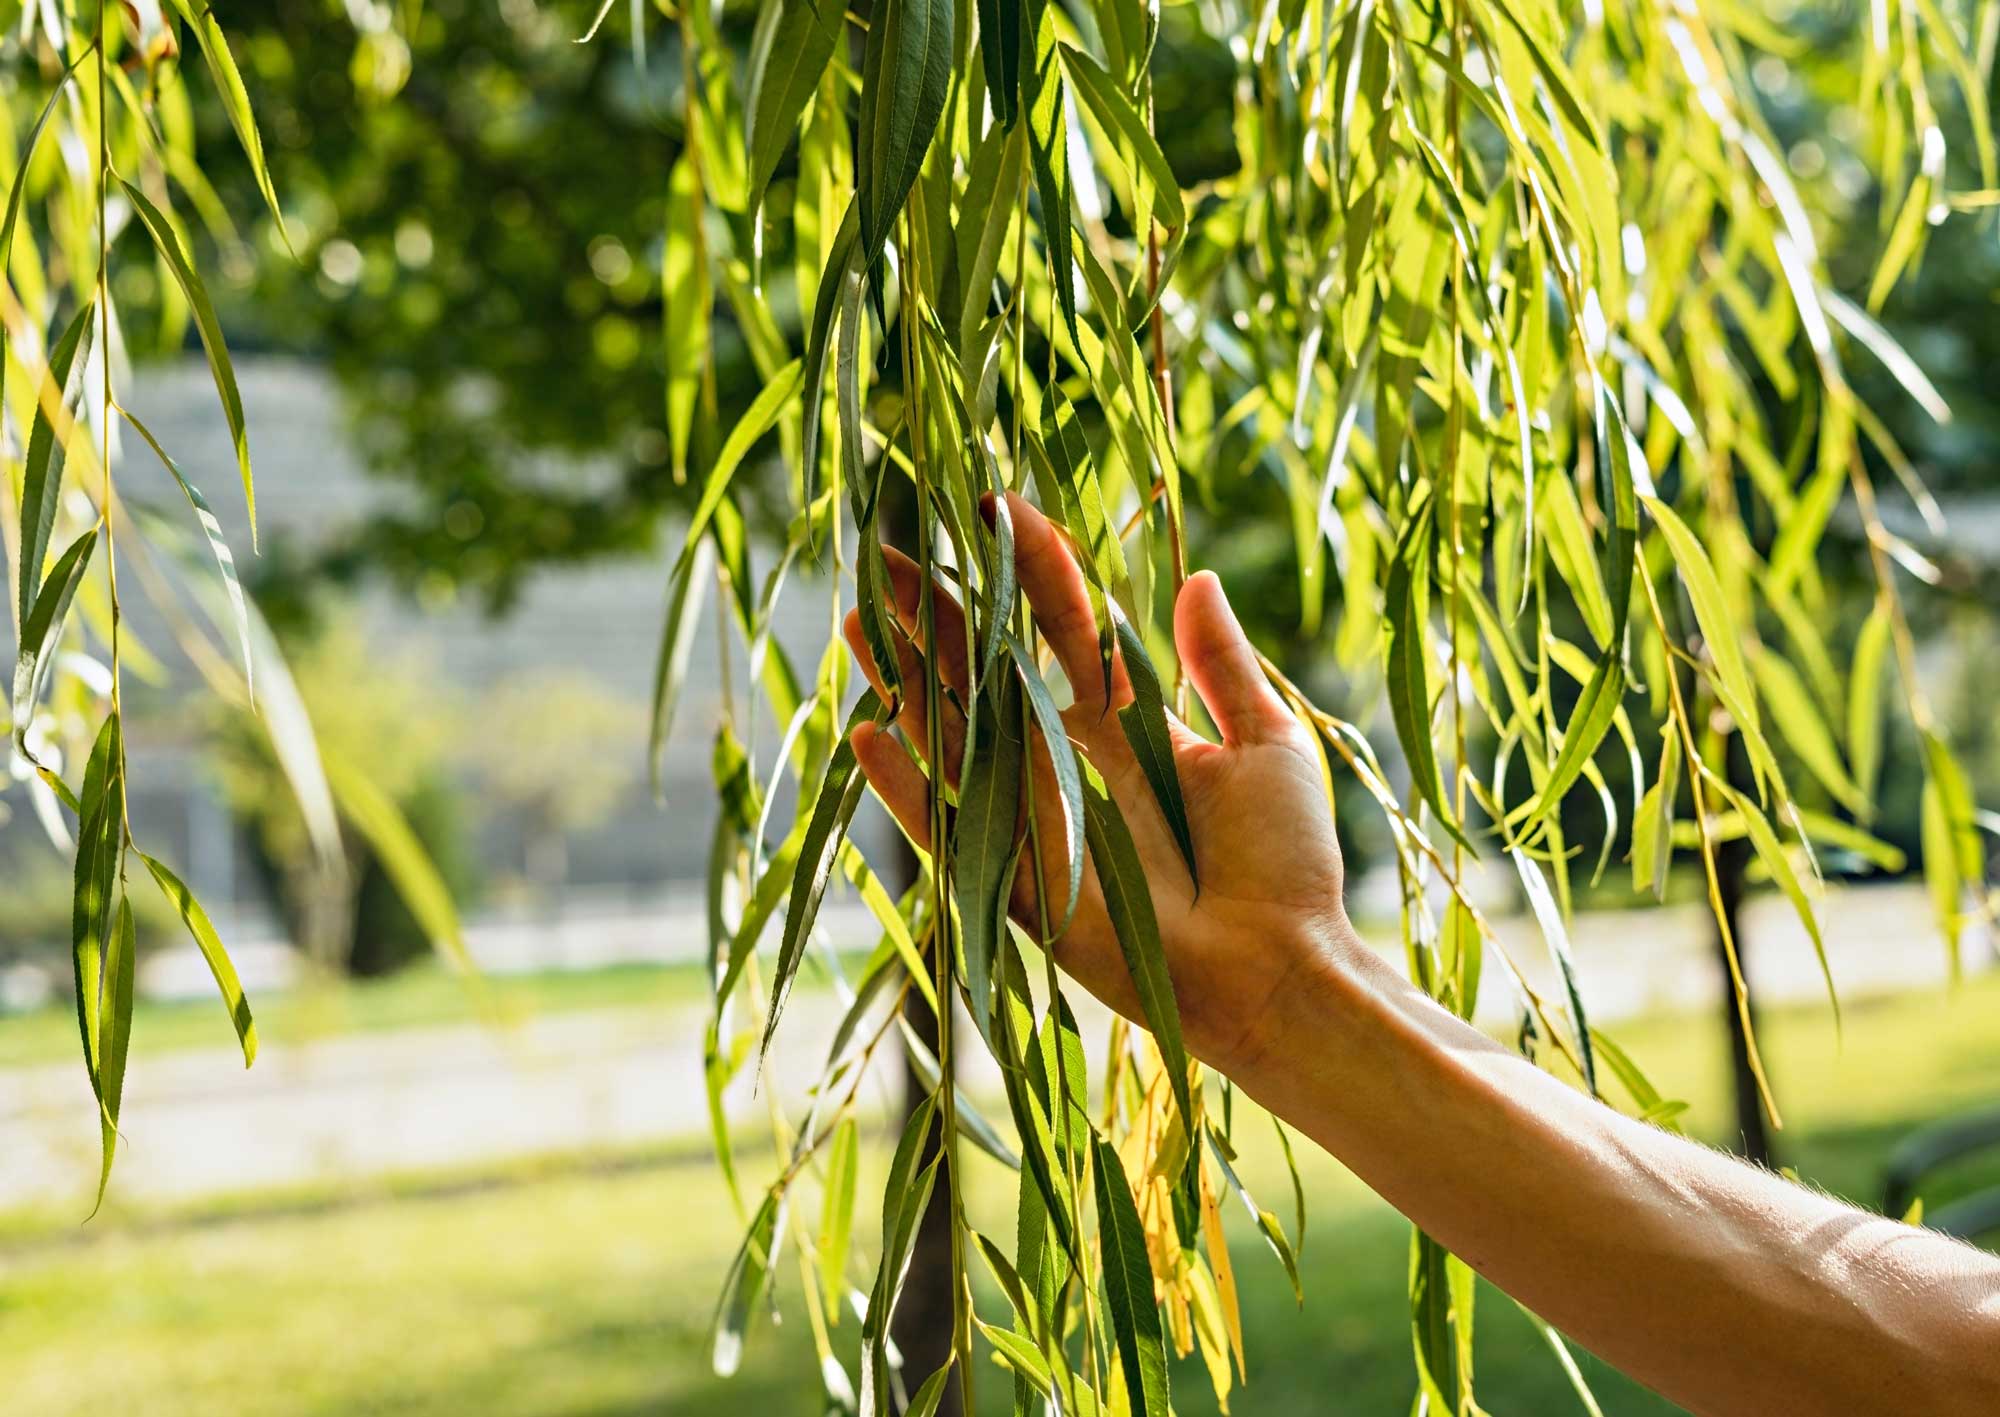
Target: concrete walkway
[(355, 1106)]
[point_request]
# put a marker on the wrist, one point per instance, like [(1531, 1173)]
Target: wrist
[(1315, 990)]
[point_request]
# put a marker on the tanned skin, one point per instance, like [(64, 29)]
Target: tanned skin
[(1726, 1288)]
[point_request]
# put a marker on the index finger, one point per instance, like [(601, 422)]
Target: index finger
[(1053, 582)]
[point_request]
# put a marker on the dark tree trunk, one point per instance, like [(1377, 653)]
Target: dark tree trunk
[(922, 1323), (1752, 1137), (923, 1320)]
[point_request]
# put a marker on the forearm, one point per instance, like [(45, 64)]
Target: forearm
[(1728, 1289)]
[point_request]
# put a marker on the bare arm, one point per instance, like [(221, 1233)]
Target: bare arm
[(1724, 1287)]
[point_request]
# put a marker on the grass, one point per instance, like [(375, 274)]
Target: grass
[(416, 997), (573, 1290)]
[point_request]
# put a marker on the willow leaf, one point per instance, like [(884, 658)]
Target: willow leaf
[(100, 838), (748, 1272), (1128, 900), (688, 297), (218, 546), (41, 478), (757, 420), (1145, 723), (1804, 727), (1128, 1289), (984, 848), (1266, 1222), (837, 1214), (114, 1031), (839, 794), (1406, 607), (41, 631), (789, 51), (1549, 916), (202, 930), (1069, 776), (19, 188), (1711, 610), (1048, 150), (219, 364), (235, 97), (1864, 700), (1000, 37), (685, 593), (1116, 115), (906, 72)]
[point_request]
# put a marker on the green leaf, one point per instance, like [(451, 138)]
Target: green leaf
[(984, 847), (789, 51), (41, 478), (1128, 900), (218, 545), (1068, 771), (1802, 725), (191, 284), (1596, 708), (1048, 149), (236, 103), (689, 298), (685, 592), (1711, 610), (100, 841), (905, 75), (748, 1272), (114, 1031), (839, 794), (1549, 917), (41, 631), (819, 339), (1864, 700), (1406, 607), (15, 192), (1145, 723), (757, 420), (1000, 53), (1128, 1289), (202, 929), (1116, 115), (1771, 852), (837, 1214)]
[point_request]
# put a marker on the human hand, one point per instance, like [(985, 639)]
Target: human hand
[(1269, 908)]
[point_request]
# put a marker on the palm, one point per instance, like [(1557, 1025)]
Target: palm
[(1265, 848)]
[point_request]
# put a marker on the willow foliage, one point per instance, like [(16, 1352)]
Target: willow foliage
[(98, 137), (1517, 302), (1508, 296)]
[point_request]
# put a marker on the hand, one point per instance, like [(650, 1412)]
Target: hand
[(1269, 909)]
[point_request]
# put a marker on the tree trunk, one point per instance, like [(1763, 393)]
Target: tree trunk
[(1752, 1137), (922, 1323)]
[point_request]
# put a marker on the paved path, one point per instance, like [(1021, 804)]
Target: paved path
[(359, 1105)]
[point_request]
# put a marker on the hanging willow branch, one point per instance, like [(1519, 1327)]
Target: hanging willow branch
[(1510, 299)]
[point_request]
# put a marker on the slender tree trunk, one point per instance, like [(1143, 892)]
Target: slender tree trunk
[(923, 1320), (1751, 1136), (922, 1324)]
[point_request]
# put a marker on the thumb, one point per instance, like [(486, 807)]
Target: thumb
[(1224, 667)]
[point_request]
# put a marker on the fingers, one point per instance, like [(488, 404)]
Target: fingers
[(913, 715), (907, 579), (1054, 584), (903, 789), (1224, 667)]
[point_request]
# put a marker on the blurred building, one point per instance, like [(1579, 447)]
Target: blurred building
[(616, 877)]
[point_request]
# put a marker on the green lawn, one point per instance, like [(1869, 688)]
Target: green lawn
[(423, 994), (588, 1291)]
